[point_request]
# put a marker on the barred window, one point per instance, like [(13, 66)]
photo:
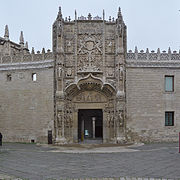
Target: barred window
[(169, 118)]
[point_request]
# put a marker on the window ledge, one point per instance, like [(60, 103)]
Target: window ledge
[(169, 92)]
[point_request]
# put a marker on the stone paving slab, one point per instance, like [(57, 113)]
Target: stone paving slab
[(6, 177), (93, 148), (137, 162)]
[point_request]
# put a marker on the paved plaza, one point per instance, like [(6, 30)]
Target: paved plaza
[(40, 162)]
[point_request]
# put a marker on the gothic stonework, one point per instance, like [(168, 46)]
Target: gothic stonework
[(89, 53), (92, 49), (89, 97), (88, 88)]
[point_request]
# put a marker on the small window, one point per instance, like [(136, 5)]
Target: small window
[(169, 83), (34, 77), (9, 77), (169, 118)]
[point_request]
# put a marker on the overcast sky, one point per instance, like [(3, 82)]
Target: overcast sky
[(150, 23)]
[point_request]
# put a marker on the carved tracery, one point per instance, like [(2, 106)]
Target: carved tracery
[(89, 53)]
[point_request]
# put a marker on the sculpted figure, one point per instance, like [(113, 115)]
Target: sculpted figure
[(59, 71), (120, 118), (121, 71), (59, 120)]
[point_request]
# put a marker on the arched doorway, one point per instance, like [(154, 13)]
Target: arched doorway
[(89, 111), (92, 103)]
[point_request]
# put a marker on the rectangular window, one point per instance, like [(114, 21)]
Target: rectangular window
[(9, 77), (169, 118), (34, 77), (169, 83)]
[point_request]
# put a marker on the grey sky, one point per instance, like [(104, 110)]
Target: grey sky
[(150, 23)]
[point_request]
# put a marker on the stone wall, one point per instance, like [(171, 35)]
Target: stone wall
[(147, 100), (26, 106)]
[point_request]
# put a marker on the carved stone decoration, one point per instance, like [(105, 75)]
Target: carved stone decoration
[(68, 118), (69, 46), (90, 64), (69, 72), (60, 27), (110, 72), (90, 75), (90, 83), (92, 28), (90, 96), (110, 48), (90, 44), (81, 18), (110, 60), (119, 29), (59, 71), (68, 82), (120, 119), (60, 124), (121, 72), (69, 60), (109, 123), (90, 53), (97, 18)]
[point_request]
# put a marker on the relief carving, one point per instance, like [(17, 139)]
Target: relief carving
[(69, 72), (59, 71), (110, 46), (110, 60), (110, 72), (90, 53), (90, 63), (112, 82), (60, 27), (120, 119), (121, 72), (69, 46), (90, 97), (68, 82), (59, 120), (69, 60), (90, 28), (68, 118), (120, 29), (110, 119), (90, 44)]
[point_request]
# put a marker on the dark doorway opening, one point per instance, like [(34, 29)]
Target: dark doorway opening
[(90, 124), (49, 137)]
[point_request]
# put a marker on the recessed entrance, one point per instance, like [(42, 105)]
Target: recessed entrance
[(90, 124)]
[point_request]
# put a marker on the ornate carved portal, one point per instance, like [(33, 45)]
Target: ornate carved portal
[(90, 74), (89, 93)]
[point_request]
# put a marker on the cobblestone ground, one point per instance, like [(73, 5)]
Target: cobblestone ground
[(30, 161)]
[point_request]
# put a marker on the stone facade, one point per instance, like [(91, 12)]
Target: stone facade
[(26, 106), (147, 100), (89, 62), (89, 87)]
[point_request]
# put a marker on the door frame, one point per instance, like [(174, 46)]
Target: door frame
[(94, 106), (91, 113)]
